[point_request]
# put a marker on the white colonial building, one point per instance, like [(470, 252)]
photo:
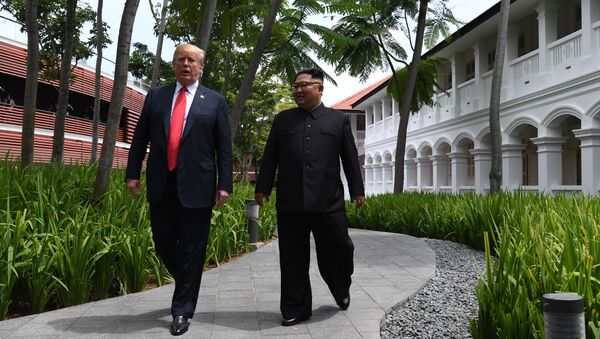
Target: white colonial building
[(549, 112)]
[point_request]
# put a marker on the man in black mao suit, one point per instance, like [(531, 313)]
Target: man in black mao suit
[(305, 146), (188, 169)]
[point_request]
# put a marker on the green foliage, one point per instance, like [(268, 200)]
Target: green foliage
[(141, 64), (425, 86), (59, 249), (534, 245)]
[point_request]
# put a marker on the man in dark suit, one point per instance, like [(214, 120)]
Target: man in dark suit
[(188, 169), (305, 145)]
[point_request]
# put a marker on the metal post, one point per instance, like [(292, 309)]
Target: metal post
[(252, 217), (563, 316)]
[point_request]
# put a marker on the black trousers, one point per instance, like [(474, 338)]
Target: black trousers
[(334, 257), (180, 237)]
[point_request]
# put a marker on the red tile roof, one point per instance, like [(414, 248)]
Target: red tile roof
[(346, 104)]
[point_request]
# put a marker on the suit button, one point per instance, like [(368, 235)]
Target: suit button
[(307, 138), (307, 151), (308, 166), (308, 125)]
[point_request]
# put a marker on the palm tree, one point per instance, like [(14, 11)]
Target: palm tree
[(33, 54), (97, 83), (116, 100), (246, 86), (496, 166), (363, 42), (407, 99), (203, 34), (159, 44), (63, 92)]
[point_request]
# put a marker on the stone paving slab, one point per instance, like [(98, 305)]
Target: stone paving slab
[(240, 299)]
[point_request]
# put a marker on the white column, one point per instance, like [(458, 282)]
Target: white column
[(483, 163), (369, 179), (590, 12), (423, 172), (480, 54), (410, 173), (549, 162), (459, 170), (547, 27), (512, 166), (590, 159), (458, 75), (439, 164), (383, 124)]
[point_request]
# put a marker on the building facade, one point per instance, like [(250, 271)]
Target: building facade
[(549, 109), (78, 124)]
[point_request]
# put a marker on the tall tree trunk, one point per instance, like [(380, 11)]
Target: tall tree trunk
[(116, 100), (407, 99), (159, 44), (238, 107), (203, 35), (31, 84), (58, 143), (496, 167), (98, 79)]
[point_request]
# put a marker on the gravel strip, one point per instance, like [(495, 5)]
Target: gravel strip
[(442, 308)]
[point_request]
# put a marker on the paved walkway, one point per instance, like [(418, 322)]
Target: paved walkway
[(241, 299)]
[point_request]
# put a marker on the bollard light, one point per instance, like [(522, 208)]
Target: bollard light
[(563, 316), (252, 218)]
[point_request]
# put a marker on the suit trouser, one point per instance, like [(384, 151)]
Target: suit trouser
[(334, 257), (180, 237)]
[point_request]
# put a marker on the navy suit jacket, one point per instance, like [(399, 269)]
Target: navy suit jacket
[(304, 149), (204, 162)]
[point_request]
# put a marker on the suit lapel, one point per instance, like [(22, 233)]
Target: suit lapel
[(166, 109), (199, 97)]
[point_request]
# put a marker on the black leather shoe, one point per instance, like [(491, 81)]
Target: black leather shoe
[(293, 321), (179, 325), (344, 303)]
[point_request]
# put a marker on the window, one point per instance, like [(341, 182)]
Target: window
[(360, 122), (469, 70)]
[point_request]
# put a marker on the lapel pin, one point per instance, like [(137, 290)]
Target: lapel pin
[(202, 96)]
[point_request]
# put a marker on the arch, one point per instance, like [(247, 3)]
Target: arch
[(377, 158), (556, 117), (423, 146), (411, 153), (369, 159), (387, 156), (441, 142), (459, 138), (483, 135), (594, 112), (516, 126)]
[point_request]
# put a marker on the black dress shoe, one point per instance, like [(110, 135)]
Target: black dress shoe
[(179, 325), (293, 321), (344, 303)]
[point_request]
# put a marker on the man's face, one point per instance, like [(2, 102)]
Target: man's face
[(307, 91), (187, 65)]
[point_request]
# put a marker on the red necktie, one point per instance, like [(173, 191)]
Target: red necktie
[(175, 129)]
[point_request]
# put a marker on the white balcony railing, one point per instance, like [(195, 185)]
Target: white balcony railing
[(525, 66), (565, 49), (445, 102), (389, 126)]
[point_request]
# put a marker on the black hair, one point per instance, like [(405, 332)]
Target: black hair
[(313, 72)]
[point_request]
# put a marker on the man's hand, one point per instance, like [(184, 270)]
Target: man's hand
[(133, 186), (260, 198), (221, 197), (359, 200)]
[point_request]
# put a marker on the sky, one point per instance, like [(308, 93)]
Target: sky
[(464, 10)]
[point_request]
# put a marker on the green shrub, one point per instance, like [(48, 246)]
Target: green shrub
[(61, 249), (541, 244)]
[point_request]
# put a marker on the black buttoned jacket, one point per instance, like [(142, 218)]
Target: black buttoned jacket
[(305, 149)]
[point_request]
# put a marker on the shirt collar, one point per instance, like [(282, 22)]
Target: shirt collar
[(191, 88), (317, 111)]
